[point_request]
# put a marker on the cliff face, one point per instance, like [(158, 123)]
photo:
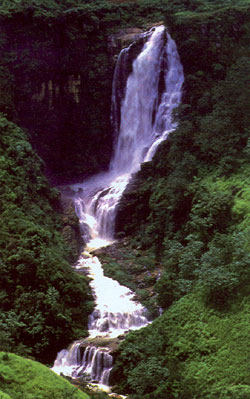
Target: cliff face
[(56, 82), (70, 228), (53, 66)]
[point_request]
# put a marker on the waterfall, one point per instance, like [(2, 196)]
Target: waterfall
[(152, 91), (94, 363), (142, 109)]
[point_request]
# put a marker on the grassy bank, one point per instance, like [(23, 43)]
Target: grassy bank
[(26, 379)]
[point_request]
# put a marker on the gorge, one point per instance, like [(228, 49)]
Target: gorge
[(180, 240), (153, 90)]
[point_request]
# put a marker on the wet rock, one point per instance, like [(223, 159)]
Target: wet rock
[(98, 251), (122, 39), (104, 327), (96, 314), (155, 24), (70, 228), (125, 37)]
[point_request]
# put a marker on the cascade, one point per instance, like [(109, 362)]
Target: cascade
[(95, 363), (142, 116)]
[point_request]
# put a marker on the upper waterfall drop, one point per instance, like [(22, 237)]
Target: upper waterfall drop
[(153, 90), (138, 107)]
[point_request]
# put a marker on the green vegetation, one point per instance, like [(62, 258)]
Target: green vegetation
[(188, 213), (190, 208), (192, 351), (44, 304), (194, 194), (26, 379)]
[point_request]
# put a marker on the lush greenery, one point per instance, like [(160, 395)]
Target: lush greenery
[(194, 194), (26, 379), (44, 304), (192, 351), (191, 209), (188, 212)]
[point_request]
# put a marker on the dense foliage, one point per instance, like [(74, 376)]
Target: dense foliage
[(192, 351), (191, 193), (188, 210), (193, 199), (44, 304)]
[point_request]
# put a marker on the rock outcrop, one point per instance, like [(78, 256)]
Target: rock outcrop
[(125, 37), (71, 230)]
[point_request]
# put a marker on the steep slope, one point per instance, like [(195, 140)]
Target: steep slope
[(190, 208), (23, 379), (44, 304), (192, 351)]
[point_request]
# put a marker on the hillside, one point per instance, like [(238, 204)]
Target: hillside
[(192, 351), (44, 304), (195, 203), (186, 214), (26, 379)]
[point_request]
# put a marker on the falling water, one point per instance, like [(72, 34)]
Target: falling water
[(145, 121), (142, 115), (94, 363)]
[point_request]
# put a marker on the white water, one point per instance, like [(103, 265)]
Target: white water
[(115, 310), (115, 313), (146, 120), (95, 363)]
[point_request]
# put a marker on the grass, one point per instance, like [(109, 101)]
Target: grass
[(22, 378), (4, 395)]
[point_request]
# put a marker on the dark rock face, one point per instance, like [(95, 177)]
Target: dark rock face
[(70, 230), (53, 68), (56, 77), (123, 68), (122, 39)]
